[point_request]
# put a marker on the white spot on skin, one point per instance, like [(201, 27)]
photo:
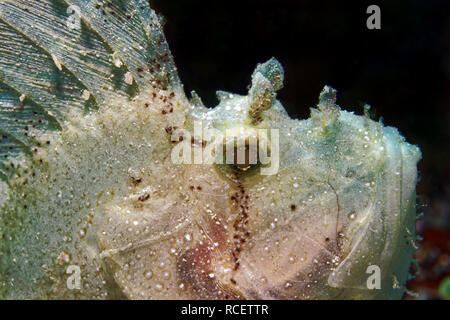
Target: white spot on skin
[(129, 78), (86, 95), (117, 62)]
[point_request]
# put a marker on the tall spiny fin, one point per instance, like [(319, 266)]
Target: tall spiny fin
[(50, 70)]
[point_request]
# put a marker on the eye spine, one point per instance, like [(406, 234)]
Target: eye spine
[(266, 80)]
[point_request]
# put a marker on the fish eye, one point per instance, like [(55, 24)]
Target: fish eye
[(244, 154), (242, 149)]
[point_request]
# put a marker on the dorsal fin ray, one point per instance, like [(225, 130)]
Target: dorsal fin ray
[(134, 32), (80, 50)]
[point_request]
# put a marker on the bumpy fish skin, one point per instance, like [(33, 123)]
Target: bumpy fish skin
[(88, 180)]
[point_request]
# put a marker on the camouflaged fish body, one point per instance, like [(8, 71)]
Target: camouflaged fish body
[(87, 116)]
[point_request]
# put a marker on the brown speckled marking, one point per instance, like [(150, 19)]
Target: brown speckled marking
[(194, 265), (241, 234)]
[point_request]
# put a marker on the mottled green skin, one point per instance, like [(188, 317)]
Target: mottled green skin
[(92, 182)]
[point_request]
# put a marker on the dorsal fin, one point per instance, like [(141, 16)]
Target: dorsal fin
[(65, 57)]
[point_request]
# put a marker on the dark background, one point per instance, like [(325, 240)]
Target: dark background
[(402, 71)]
